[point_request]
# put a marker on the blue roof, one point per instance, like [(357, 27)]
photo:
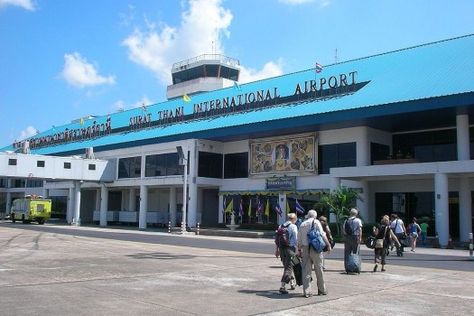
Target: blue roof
[(434, 70)]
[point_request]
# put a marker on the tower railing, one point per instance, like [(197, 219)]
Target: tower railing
[(182, 65)]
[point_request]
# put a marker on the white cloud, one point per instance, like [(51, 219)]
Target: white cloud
[(25, 4), (79, 73), (270, 69), (143, 101), (202, 26), (120, 105), (27, 132), (322, 3)]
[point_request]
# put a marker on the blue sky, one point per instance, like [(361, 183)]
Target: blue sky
[(61, 60)]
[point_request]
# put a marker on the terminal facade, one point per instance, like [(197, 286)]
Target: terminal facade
[(396, 126)]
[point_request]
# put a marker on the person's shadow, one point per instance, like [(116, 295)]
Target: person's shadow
[(274, 294)]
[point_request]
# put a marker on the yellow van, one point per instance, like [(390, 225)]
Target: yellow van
[(31, 209)]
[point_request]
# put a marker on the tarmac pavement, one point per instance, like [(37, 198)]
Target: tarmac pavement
[(54, 273)]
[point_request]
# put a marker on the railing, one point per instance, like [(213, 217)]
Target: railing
[(395, 161), (221, 58)]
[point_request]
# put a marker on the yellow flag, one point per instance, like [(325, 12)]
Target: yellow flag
[(230, 207), (249, 212), (81, 121), (267, 209), (186, 98)]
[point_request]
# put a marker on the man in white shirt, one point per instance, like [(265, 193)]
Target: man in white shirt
[(310, 257), (398, 228), (352, 230), (287, 253)]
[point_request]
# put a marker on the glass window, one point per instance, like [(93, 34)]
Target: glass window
[(130, 167), (67, 165), (163, 165), (236, 165), (12, 162), (427, 146), (91, 166), (40, 164), (210, 165), (379, 152), (229, 73), (211, 70), (336, 155)]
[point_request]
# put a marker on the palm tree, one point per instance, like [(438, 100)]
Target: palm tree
[(339, 202)]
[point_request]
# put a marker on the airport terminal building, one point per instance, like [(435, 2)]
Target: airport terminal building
[(396, 126)]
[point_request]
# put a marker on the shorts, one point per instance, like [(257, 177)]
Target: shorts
[(414, 235)]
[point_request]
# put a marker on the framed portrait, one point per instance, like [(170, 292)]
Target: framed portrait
[(291, 154)]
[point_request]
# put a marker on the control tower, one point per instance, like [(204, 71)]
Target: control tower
[(203, 73)]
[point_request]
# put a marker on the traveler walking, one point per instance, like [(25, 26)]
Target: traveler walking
[(398, 228), (352, 236), (324, 223), (310, 257), (424, 232), (286, 242), (383, 237), (414, 230)]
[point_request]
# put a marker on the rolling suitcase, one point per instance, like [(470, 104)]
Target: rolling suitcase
[(353, 263)]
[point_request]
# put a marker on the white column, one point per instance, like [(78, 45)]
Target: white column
[(70, 205), (462, 132), (192, 202), (8, 205), (200, 204), (77, 203), (124, 202), (442, 207), (221, 209), (143, 207), (363, 149), (8, 202), (282, 200), (45, 193), (104, 199), (172, 202), (363, 203), (465, 209), (131, 200), (192, 205), (335, 184)]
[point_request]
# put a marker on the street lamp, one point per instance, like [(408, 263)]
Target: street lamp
[(183, 161)]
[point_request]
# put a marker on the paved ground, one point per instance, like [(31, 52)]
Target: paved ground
[(52, 271)]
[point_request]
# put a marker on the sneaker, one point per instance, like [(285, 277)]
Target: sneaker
[(308, 295), (322, 293), (292, 285), (383, 270), (283, 291)]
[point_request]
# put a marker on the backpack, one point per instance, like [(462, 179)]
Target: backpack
[(282, 236), (315, 239), (348, 227)]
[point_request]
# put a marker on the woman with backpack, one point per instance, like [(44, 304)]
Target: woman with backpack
[(384, 236)]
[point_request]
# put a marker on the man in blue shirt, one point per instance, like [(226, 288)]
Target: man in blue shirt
[(288, 252)]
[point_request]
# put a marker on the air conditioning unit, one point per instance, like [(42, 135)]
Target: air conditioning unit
[(89, 153), (25, 148)]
